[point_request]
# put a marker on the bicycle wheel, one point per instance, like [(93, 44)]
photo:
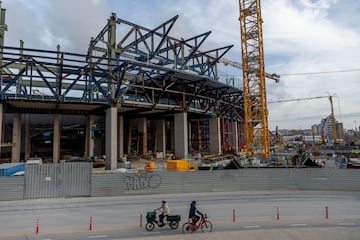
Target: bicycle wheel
[(206, 226), (187, 228), (174, 225), (150, 226)]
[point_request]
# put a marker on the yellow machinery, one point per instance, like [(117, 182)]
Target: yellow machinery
[(257, 140)]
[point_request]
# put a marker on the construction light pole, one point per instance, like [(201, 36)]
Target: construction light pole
[(3, 28)]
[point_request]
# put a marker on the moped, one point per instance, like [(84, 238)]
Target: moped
[(171, 220)]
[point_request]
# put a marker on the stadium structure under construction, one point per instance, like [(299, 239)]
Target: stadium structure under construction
[(136, 91)]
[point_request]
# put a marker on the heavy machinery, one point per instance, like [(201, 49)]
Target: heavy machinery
[(257, 140)]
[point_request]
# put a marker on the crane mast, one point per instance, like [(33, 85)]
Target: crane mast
[(255, 107)]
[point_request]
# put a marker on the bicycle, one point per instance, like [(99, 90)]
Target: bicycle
[(203, 224)]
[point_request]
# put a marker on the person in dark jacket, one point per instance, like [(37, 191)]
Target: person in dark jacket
[(193, 213)]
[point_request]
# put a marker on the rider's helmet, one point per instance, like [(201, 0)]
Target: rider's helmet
[(163, 201)]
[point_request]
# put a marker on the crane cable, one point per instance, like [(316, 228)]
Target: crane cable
[(324, 72)]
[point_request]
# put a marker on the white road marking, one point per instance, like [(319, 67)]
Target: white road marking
[(346, 224), (253, 226), (99, 236), (298, 224)]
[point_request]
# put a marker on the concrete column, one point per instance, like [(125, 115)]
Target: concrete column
[(190, 137), (235, 132), (172, 136), (142, 128), (111, 138), (120, 137), (1, 125), (56, 139), (129, 138), (181, 135), (214, 136), (89, 138), (27, 137), (16, 138), (160, 136)]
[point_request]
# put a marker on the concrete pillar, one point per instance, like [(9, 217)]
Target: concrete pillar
[(120, 137), (27, 137), (130, 126), (160, 136), (1, 125), (190, 145), (142, 128), (89, 138), (172, 136), (214, 136), (56, 139), (16, 138), (181, 135), (235, 132), (111, 138)]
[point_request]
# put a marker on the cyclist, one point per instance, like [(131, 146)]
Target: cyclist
[(193, 213), (164, 208)]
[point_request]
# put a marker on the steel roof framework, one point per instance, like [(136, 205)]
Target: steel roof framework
[(147, 69)]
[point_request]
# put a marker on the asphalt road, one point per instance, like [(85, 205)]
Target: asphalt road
[(240, 215)]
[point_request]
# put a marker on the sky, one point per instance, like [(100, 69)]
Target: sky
[(313, 44)]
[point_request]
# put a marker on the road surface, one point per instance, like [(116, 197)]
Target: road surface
[(240, 215)]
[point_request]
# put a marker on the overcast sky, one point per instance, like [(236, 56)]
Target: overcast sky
[(313, 44)]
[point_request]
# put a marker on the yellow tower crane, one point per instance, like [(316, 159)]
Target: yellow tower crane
[(257, 141), (227, 62), (310, 98)]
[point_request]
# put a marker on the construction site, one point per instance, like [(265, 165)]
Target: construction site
[(142, 99)]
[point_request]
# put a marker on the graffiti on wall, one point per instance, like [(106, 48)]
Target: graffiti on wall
[(228, 177), (142, 181)]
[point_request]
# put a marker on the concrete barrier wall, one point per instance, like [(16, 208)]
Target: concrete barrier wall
[(226, 180), (118, 184), (11, 188)]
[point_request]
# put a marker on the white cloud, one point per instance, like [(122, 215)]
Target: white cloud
[(46, 24), (310, 40)]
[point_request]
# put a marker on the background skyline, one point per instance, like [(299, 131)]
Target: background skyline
[(313, 45)]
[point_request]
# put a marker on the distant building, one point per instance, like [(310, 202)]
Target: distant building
[(316, 129), (327, 128), (340, 130)]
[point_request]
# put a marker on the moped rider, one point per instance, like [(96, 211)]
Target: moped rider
[(164, 209)]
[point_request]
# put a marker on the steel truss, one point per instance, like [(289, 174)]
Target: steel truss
[(146, 70)]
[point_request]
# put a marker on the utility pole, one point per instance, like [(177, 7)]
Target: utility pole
[(3, 28)]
